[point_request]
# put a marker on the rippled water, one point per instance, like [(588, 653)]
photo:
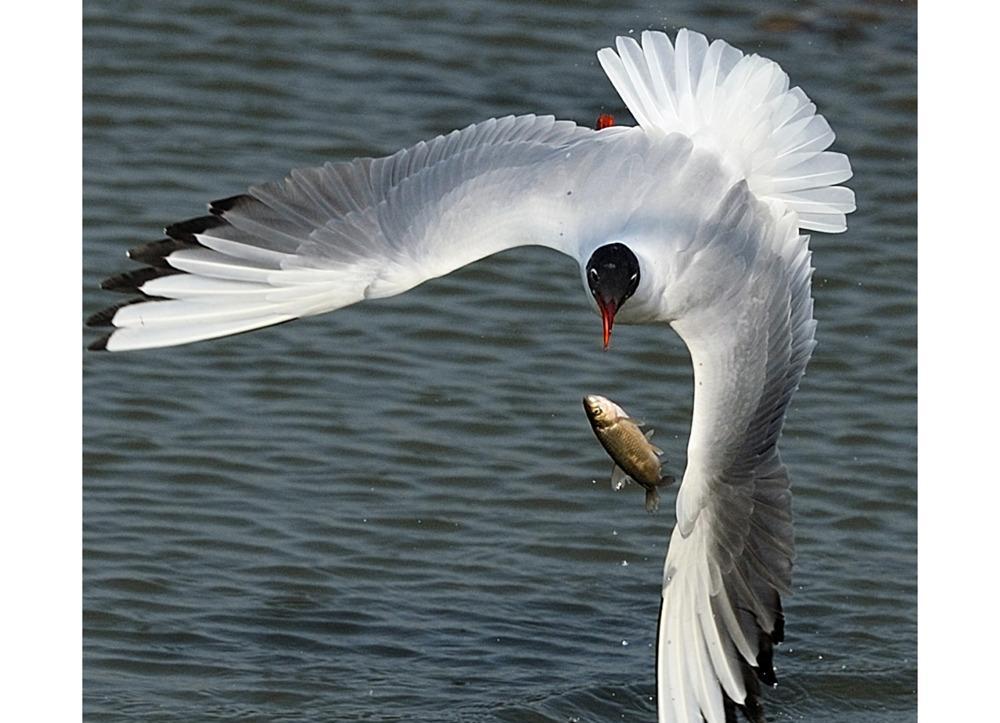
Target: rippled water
[(391, 513)]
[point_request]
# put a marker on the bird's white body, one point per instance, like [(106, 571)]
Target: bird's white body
[(709, 192)]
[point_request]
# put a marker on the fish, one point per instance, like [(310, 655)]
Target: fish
[(635, 457)]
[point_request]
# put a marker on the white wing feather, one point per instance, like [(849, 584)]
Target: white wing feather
[(730, 554), (741, 107), (334, 235)]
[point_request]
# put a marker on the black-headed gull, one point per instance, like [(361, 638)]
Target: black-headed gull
[(691, 218)]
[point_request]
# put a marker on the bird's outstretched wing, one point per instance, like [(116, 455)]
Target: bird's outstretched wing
[(331, 236), (730, 554), (747, 321)]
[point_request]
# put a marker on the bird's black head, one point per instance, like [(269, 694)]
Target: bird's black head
[(613, 276)]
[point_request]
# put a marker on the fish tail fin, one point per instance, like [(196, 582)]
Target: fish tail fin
[(652, 499)]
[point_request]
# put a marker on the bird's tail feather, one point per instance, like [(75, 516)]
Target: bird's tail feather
[(742, 107)]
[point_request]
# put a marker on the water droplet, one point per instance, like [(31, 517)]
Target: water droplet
[(624, 643), (624, 563)]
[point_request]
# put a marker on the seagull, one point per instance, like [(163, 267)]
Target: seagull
[(692, 218)]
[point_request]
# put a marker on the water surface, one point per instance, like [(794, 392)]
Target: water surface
[(398, 511)]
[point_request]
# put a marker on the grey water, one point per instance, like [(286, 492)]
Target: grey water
[(398, 511)]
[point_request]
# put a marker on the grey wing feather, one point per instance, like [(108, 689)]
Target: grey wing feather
[(730, 555), (332, 235)]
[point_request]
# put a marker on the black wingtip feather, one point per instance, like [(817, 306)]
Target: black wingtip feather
[(728, 708), (155, 253), (765, 660), (778, 634), (185, 230), (100, 344), (752, 706), (765, 646), (104, 317), (130, 281), (226, 204)]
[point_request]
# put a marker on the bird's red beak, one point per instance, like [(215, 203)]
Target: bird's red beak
[(608, 309)]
